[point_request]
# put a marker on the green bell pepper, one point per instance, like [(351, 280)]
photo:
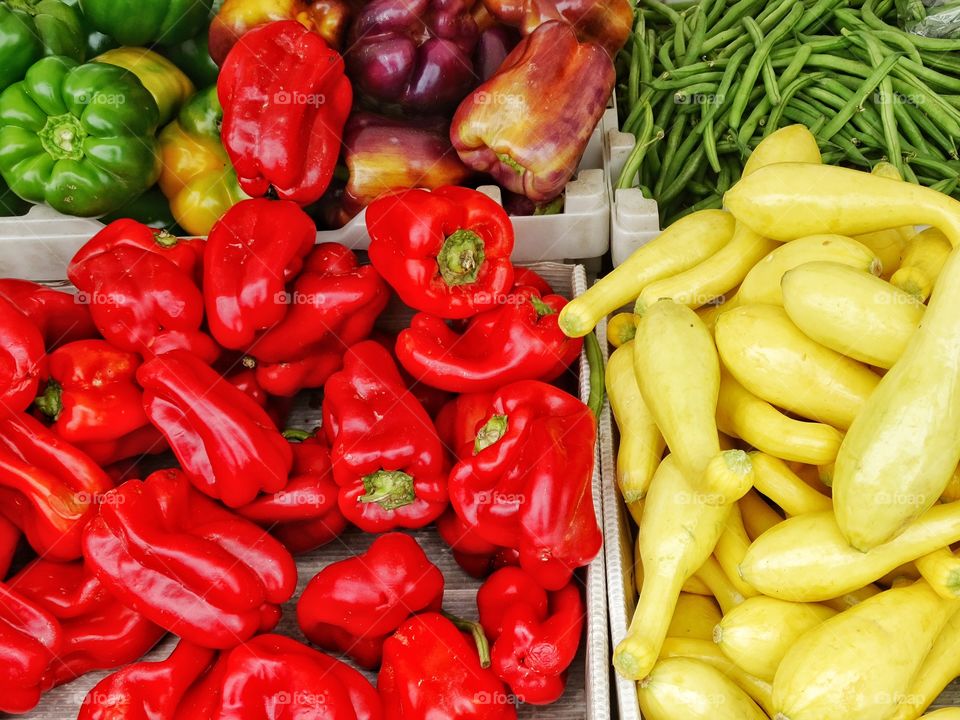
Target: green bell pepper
[(152, 209), (193, 57), (78, 137), (167, 83), (30, 29), (10, 204), (145, 22)]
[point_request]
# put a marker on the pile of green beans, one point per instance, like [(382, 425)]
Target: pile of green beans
[(702, 84)]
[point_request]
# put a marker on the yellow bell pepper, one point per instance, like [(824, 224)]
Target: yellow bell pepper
[(167, 83)]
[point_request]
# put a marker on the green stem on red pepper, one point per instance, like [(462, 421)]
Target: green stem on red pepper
[(390, 489), (476, 631), (494, 429)]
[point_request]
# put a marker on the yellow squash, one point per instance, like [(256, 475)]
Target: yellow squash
[(726, 594), (778, 482), (641, 444), (922, 263), (854, 597), (686, 689), (621, 328), (807, 559), (692, 586), (744, 415), (714, 277), (888, 244), (939, 668), (759, 690), (758, 633), (851, 311), (941, 569), (762, 284), (728, 477), (771, 358), (948, 713), (857, 663), (678, 532), (790, 200), (901, 451), (682, 245), (694, 617), (758, 516), (678, 373), (793, 143), (732, 548)]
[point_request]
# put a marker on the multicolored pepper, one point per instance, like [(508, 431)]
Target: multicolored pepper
[(605, 22), (226, 443), (186, 563), (535, 639), (168, 84), (387, 458), (285, 100), (549, 75), (445, 252), (353, 605), (528, 484), (520, 340)]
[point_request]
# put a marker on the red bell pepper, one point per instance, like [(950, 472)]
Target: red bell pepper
[(252, 252), (285, 100), (507, 127), (529, 483), (9, 539), (445, 252), (387, 458), (520, 340), (351, 606), (97, 631), (333, 304), (305, 514), (459, 420), (188, 564), (432, 399), (22, 359), (430, 670), (227, 444), (58, 315), (91, 393), (29, 638), (143, 441), (534, 639), (141, 286), (48, 488), (476, 557), (531, 278)]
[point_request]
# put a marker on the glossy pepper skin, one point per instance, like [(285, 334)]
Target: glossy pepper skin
[(520, 340), (227, 445), (528, 483), (146, 440), (445, 252), (145, 22), (193, 57), (28, 31), (535, 639), (387, 458), (78, 137), (328, 18), (9, 539), (29, 638), (305, 514), (430, 670), (605, 22), (168, 84), (91, 393), (507, 127), (22, 359), (477, 557), (385, 155), (141, 286), (353, 605), (333, 304), (197, 177), (285, 100), (48, 488), (252, 252), (413, 57), (186, 563), (58, 315), (97, 631)]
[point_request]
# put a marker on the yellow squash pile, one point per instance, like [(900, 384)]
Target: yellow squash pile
[(797, 357)]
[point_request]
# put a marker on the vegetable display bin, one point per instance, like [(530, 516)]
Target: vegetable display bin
[(581, 232), (43, 256)]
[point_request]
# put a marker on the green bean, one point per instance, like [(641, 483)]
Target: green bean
[(733, 15), (865, 117), (909, 128), (717, 10), (766, 69), (635, 159), (693, 164), (923, 43), (680, 42), (930, 127), (676, 84), (710, 146), (830, 62), (724, 179), (749, 126), (665, 10), (947, 186), (663, 55), (886, 100), (792, 70), (939, 111), (773, 122), (729, 76), (819, 11), (868, 86), (674, 138), (946, 169), (635, 76), (772, 14), (909, 175), (693, 69), (698, 35), (752, 70), (720, 39)]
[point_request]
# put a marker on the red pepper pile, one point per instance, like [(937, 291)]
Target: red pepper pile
[(184, 355)]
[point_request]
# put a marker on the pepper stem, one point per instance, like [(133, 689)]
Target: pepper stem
[(491, 432), (62, 137), (460, 257), (511, 163), (390, 489), (50, 402), (297, 434), (476, 630), (541, 307), (165, 239)]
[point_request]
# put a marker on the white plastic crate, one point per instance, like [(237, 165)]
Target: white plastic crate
[(580, 233)]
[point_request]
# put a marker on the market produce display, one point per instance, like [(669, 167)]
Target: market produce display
[(806, 405)]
